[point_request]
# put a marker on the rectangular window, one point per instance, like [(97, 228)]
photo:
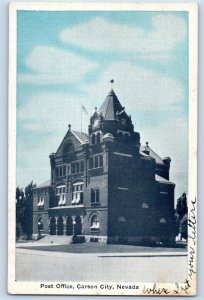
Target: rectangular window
[(57, 172), (64, 170), (98, 138), (60, 174), (100, 161), (96, 162), (77, 167), (73, 168), (82, 166), (93, 139), (91, 163), (95, 196)]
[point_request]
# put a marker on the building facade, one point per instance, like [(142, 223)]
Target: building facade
[(105, 186)]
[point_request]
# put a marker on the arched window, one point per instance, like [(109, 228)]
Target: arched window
[(162, 220), (145, 205), (95, 225), (40, 224), (69, 147)]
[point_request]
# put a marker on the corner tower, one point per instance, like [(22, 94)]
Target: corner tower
[(111, 120)]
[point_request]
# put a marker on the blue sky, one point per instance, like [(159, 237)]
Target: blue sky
[(66, 59)]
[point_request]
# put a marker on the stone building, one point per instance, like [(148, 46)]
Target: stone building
[(105, 186)]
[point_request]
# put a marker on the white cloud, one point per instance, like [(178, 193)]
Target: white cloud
[(103, 35), (139, 89), (51, 113), (52, 66)]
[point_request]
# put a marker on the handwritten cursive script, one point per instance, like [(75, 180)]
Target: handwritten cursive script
[(179, 288), (192, 236), (155, 290)]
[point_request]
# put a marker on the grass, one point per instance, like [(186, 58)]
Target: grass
[(102, 248)]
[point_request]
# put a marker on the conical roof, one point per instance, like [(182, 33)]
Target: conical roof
[(110, 106)]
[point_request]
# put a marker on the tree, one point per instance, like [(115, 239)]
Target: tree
[(182, 216), (24, 206), (20, 211)]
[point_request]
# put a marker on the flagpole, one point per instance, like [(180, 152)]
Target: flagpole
[(81, 118)]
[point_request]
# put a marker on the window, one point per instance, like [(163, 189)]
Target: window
[(40, 224), (77, 167), (91, 163), (121, 219), (94, 196), (41, 202), (68, 148), (64, 170), (77, 193), (82, 166), (100, 161), (61, 195), (162, 220), (93, 139), (95, 223), (73, 168), (96, 162), (145, 205), (60, 172), (98, 138)]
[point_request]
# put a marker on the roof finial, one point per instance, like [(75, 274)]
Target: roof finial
[(147, 144), (112, 81), (95, 109), (69, 126)]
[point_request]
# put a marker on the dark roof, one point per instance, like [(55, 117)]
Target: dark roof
[(110, 106), (82, 137), (44, 184), (145, 149)]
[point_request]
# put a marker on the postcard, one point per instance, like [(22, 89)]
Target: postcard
[(102, 148)]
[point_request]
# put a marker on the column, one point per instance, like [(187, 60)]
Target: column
[(64, 225), (56, 224), (49, 225)]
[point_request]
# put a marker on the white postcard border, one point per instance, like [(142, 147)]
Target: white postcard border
[(189, 287)]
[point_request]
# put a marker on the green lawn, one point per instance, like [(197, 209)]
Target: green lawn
[(102, 248)]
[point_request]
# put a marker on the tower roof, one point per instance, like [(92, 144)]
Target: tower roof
[(110, 106)]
